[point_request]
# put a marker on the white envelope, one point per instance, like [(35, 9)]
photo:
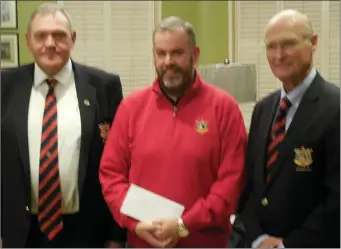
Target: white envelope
[(146, 206)]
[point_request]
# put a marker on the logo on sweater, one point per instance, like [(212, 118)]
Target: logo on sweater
[(201, 126), (303, 159)]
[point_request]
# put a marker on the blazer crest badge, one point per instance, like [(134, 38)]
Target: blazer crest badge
[(303, 159)]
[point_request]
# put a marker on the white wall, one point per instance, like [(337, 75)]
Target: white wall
[(116, 36), (250, 20)]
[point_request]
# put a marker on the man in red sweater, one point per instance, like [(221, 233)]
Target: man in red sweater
[(180, 138)]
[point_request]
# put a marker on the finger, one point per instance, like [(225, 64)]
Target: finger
[(161, 235), (266, 244), (172, 243), (150, 227), (168, 243), (157, 222), (154, 242)]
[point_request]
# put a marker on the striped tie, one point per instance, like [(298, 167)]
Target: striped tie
[(49, 206), (277, 135)]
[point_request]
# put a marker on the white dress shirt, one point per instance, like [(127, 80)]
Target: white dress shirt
[(69, 135)]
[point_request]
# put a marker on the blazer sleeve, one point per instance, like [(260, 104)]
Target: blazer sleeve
[(247, 203), (114, 90), (322, 227)]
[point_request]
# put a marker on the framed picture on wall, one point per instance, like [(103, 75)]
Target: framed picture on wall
[(9, 17), (9, 50)]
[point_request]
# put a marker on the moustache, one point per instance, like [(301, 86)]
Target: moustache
[(173, 68)]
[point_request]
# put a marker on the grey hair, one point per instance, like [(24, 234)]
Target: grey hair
[(46, 9), (294, 16), (173, 22)]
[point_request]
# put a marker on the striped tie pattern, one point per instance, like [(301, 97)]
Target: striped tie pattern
[(277, 134), (49, 205)]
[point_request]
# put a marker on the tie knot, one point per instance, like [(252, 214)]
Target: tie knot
[(285, 104), (51, 82)]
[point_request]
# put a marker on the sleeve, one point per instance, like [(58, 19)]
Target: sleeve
[(114, 167), (259, 240), (115, 96), (113, 231), (322, 227), (248, 216), (215, 208)]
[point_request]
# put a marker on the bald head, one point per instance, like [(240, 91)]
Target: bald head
[(293, 19), (290, 44)]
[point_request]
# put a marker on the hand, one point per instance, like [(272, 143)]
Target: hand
[(168, 230), (113, 244), (271, 242), (147, 232)]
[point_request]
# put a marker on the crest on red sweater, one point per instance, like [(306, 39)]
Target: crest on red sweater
[(104, 128), (201, 126)]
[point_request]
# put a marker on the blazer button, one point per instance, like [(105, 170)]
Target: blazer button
[(265, 202), (27, 209)]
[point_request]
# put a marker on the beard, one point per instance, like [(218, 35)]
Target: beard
[(176, 80)]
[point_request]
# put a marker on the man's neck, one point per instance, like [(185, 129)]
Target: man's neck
[(176, 95), (291, 84)]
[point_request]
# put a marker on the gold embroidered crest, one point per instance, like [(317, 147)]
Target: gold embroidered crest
[(104, 128), (303, 158), (201, 127)]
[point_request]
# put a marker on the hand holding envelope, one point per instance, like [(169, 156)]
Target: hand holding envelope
[(157, 215), (149, 233), (168, 230)]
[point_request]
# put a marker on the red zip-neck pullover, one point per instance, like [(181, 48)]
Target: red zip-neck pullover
[(192, 154)]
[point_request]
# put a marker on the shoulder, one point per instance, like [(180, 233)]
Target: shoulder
[(331, 93), (218, 95), (266, 101), (16, 72), (13, 76), (222, 101), (138, 97), (330, 104), (98, 76)]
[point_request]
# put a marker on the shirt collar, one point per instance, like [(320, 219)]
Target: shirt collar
[(296, 94), (63, 76)]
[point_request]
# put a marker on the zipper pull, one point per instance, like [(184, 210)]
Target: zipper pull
[(174, 111)]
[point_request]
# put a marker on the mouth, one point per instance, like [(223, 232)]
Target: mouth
[(51, 55), (170, 74)]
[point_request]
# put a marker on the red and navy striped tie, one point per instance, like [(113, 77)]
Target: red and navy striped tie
[(50, 198), (277, 134)]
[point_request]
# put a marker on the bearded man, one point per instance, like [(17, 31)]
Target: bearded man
[(180, 138)]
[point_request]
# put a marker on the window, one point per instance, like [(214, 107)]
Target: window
[(251, 18), (116, 36)]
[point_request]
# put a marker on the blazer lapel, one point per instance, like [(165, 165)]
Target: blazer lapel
[(304, 113), (86, 95), (22, 100), (267, 121)]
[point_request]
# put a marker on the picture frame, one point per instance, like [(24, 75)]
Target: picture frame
[(9, 14), (9, 46)]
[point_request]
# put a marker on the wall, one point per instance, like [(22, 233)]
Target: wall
[(210, 21), (25, 8)]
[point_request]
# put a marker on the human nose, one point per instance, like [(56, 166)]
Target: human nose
[(49, 42), (168, 60)]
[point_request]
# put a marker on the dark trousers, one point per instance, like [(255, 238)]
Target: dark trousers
[(70, 236)]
